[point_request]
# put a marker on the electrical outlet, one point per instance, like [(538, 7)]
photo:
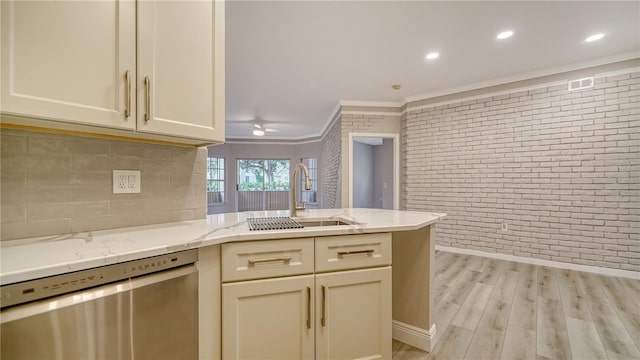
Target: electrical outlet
[(504, 227), (126, 181)]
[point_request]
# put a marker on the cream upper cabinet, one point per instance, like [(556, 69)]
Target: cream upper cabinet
[(180, 83), (140, 69), (353, 315), (67, 60)]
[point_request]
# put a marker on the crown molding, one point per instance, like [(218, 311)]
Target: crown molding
[(398, 108), (526, 76)]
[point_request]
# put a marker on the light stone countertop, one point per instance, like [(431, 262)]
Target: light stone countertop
[(28, 259)]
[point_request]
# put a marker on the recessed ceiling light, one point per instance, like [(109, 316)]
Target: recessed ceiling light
[(505, 34), (258, 132), (433, 55), (594, 37)]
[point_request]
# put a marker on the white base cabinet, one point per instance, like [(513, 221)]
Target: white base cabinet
[(343, 314), (268, 319), (355, 320)]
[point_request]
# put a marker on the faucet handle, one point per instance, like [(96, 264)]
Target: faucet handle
[(303, 207)]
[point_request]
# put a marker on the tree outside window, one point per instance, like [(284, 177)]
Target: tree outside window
[(263, 175)]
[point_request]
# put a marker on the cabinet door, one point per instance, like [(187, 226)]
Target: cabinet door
[(268, 319), (353, 314), (67, 60), (181, 68)]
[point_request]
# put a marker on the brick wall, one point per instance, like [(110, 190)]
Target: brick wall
[(329, 166), (561, 169), (58, 184)]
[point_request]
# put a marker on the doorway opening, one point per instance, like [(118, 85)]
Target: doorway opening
[(374, 170)]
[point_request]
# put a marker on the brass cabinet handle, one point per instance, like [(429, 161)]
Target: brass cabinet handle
[(322, 319), (255, 261), (147, 110), (127, 77), (370, 251), (308, 307)]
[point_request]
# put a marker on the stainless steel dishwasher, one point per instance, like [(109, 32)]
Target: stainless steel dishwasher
[(142, 309)]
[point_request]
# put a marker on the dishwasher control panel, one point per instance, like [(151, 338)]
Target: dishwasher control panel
[(19, 293)]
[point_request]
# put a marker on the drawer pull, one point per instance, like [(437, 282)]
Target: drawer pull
[(147, 89), (343, 253), (127, 77), (322, 319), (308, 307), (284, 259)]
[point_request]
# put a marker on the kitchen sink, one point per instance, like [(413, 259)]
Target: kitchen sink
[(328, 222)]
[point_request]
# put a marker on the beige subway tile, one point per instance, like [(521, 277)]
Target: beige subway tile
[(200, 213), (51, 211), (11, 231), (91, 146), (169, 216), (51, 144), (93, 180), (92, 194), (189, 203), (157, 152), (12, 179), (103, 164), (48, 179), (90, 209), (184, 154), (105, 222), (13, 144), (13, 213), (153, 166), (47, 195), (127, 149), (127, 206)]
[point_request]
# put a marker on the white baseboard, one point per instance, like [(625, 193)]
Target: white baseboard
[(557, 264), (414, 336)]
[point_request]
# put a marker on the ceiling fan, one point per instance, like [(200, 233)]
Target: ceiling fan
[(259, 126)]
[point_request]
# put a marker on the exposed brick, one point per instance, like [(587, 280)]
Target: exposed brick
[(563, 172)]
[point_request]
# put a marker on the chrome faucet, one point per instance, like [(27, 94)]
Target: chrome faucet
[(294, 187)]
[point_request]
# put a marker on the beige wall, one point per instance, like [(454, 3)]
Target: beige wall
[(58, 184), (559, 168)]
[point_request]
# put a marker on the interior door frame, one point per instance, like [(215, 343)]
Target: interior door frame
[(396, 164)]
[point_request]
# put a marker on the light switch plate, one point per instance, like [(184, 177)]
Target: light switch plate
[(126, 181)]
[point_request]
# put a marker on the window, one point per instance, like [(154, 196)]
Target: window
[(215, 181), (309, 196), (262, 184)]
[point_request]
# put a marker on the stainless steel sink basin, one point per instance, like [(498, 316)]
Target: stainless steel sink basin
[(332, 222)]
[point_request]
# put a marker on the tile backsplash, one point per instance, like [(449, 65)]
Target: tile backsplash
[(56, 184)]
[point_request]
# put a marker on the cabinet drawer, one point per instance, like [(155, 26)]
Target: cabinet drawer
[(352, 251), (264, 259)]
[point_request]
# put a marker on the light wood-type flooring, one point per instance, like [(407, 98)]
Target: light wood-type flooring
[(494, 309)]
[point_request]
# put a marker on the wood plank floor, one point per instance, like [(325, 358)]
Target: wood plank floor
[(494, 309)]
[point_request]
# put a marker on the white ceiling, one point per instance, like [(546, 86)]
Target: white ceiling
[(288, 63)]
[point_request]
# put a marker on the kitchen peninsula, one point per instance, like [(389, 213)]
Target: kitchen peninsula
[(344, 237)]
